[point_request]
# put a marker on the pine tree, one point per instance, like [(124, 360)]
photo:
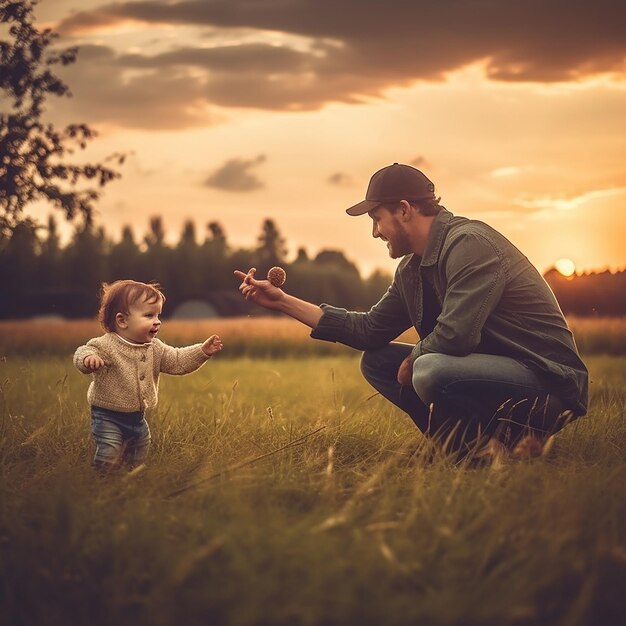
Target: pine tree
[(272, 248), (125, 258)]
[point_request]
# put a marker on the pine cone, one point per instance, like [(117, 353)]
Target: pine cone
[(277, 276)]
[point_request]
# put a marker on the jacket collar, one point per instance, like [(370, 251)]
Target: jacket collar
[(435, 237)]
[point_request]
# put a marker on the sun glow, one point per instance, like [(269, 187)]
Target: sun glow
[(565, 267)]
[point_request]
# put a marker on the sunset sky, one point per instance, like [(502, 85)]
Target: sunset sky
[(239, 110)]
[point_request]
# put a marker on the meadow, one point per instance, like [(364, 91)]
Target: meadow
[(280, 490)]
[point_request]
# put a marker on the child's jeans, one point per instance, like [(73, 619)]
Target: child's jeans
[(120, 437)]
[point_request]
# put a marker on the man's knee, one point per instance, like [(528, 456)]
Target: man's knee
[(428, 373), (380, 364), (384, 362), (369, 363)]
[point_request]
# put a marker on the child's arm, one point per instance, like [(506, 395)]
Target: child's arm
[(185, 360), (87, 359), (212, 345)]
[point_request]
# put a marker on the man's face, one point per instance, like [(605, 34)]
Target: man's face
[(387, 226)]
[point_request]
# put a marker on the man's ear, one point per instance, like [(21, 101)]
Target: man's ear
[(120, 320), (405, 210)]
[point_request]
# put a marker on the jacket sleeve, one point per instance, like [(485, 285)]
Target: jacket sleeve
[(386, 320), (476, 277), (91, 347), (180, 361)]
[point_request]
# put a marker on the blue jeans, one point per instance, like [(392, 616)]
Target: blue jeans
[(462, 398), (120, 437)]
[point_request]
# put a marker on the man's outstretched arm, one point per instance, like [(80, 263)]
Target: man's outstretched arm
[(369, 330), (263, 293)]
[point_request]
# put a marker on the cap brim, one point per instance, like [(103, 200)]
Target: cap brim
[(362, 207)]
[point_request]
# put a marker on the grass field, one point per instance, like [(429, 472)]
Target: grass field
[(254, 337), (281, 491)]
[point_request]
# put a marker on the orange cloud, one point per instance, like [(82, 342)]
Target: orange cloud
[(527, 40), (348, 52)]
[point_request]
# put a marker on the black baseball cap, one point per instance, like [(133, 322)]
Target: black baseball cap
[(394, 183)]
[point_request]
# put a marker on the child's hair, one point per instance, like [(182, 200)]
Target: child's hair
[(118, 296)]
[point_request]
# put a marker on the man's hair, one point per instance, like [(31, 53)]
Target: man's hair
[(118, 297), (426, 206)]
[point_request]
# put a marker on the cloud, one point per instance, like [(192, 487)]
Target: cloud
[(235, 175), (420, 161), (340, 179), (520, 39), (146, 99), (549, 204), (504, 172), (247, 58), (347, 51)]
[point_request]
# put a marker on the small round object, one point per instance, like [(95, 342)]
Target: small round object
[(277, 276)]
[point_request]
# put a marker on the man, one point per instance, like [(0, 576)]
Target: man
[(496, 360)]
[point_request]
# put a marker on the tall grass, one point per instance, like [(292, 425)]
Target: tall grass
[(356, 523), (600, 335), (262, 336), (256, 336)]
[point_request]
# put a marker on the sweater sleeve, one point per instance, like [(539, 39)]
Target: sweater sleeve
[(180, 361), (91, 347)]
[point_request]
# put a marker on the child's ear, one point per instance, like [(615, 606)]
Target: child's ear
[(120, 320)]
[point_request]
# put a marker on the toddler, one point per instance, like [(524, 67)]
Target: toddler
[(125, 364)]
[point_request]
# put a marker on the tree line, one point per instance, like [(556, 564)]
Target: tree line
[(601, 294), (39, 276)]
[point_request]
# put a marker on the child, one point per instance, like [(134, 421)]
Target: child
[(125, 364)]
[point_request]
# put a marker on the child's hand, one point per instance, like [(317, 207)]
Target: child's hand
[(93, 362), (212, 345)]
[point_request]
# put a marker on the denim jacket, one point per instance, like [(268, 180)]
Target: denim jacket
[(492, 301)]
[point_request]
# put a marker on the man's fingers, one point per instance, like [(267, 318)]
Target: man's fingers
[(245, 286), (243, 275), (248, 278)]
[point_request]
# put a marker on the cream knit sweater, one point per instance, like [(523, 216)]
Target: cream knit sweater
[(129, 380)]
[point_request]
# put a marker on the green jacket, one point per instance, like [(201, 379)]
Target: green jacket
[(492, 301)]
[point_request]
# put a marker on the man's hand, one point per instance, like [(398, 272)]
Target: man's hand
[(93, 362), (212, 345), (405, 371), (261, 292)]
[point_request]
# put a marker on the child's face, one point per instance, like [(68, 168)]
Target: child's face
[(142, 323)]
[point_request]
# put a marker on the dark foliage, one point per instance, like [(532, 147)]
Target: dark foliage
[(601, 294), (34, 154), (41, 277)]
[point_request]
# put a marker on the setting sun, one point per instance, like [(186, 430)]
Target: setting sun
[(565, 267)]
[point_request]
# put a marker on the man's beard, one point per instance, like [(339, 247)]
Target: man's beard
[(398, 244)]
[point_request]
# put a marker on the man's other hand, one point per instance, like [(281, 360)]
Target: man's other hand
[(405, 371)]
